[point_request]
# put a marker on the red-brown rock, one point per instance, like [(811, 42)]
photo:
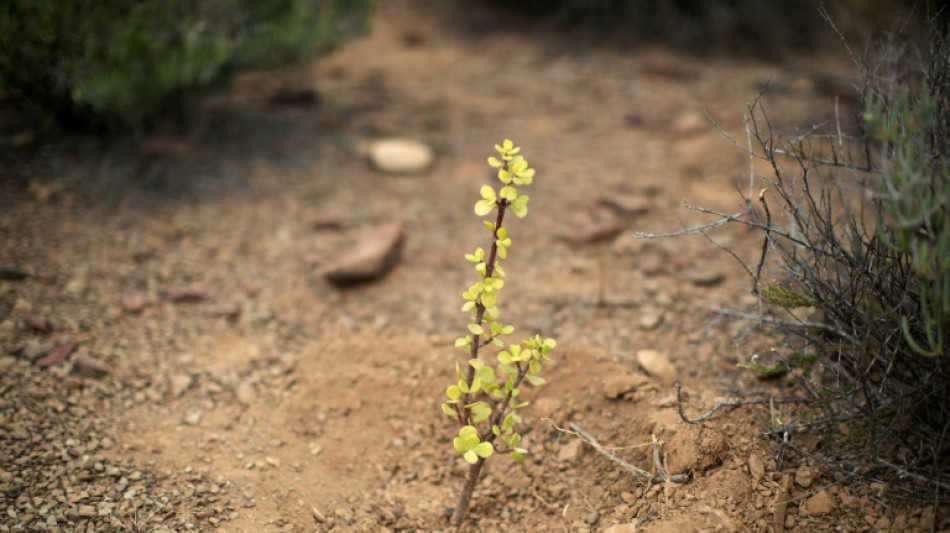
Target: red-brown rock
[(57, 355), (373, 257)]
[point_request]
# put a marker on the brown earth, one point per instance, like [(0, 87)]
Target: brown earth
[(242, 392)]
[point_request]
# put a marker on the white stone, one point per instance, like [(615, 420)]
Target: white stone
[(400, 155)]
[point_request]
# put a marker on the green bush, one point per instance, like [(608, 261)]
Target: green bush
[(103, 62)]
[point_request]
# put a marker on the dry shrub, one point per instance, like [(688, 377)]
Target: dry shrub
[(856, 236)]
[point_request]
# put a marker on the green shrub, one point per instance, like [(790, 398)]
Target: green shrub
[(103, 62)]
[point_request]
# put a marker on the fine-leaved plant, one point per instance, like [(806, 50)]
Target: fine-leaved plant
[(485, 399)]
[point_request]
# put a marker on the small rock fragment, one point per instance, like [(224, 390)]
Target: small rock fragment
[(668, 401), (598, 233), (35, 351), (628, 204), (193, 417), (571, 451), (88, 367), (688, 123), (245, 392), (374, 256), (616, 386), (805, 476), (819, 504), (622, 528), (656, 364), (133, 303), (187, 295), (400, 156), (229, 311), (37, 323), (650, 320), (705, 276), (318, 516), (179, 384), (57, 355)]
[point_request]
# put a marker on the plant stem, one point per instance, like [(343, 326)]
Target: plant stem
[(465, 498), (479, 308)]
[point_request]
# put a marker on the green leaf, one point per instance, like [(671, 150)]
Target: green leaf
[(476, 257), (534, 366), (476, 329), (489, 299), (453, 392), (484, 450), (535, 380), (470, 457), (504, 358), (494, 162), (447, 409), (486, 374), (483, 207), (520, 206), (463, 342)]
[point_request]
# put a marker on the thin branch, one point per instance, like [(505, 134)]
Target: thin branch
[(642, 475), (722, 405)]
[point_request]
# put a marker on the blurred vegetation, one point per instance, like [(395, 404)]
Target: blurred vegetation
[(746, 26), (91, 64)]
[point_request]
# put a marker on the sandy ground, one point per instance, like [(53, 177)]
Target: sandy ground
[(219, 382)]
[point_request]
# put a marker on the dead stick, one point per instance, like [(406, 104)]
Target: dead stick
[(641, 475)]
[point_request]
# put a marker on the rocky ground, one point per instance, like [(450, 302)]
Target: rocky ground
[(175, 356)]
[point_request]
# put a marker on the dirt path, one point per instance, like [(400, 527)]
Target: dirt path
[(245, 393)]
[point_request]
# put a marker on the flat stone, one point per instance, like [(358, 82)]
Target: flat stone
[(656, 364), (90, 367), (373, 257), (400, 155)]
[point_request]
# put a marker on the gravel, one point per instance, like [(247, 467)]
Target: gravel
[(55, 473)]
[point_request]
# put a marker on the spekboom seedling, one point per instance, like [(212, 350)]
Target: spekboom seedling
[(486, 398)]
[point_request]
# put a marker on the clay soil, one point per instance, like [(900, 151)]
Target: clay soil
[(218, 381)]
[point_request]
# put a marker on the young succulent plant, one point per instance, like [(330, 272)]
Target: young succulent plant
[(486, 398)]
